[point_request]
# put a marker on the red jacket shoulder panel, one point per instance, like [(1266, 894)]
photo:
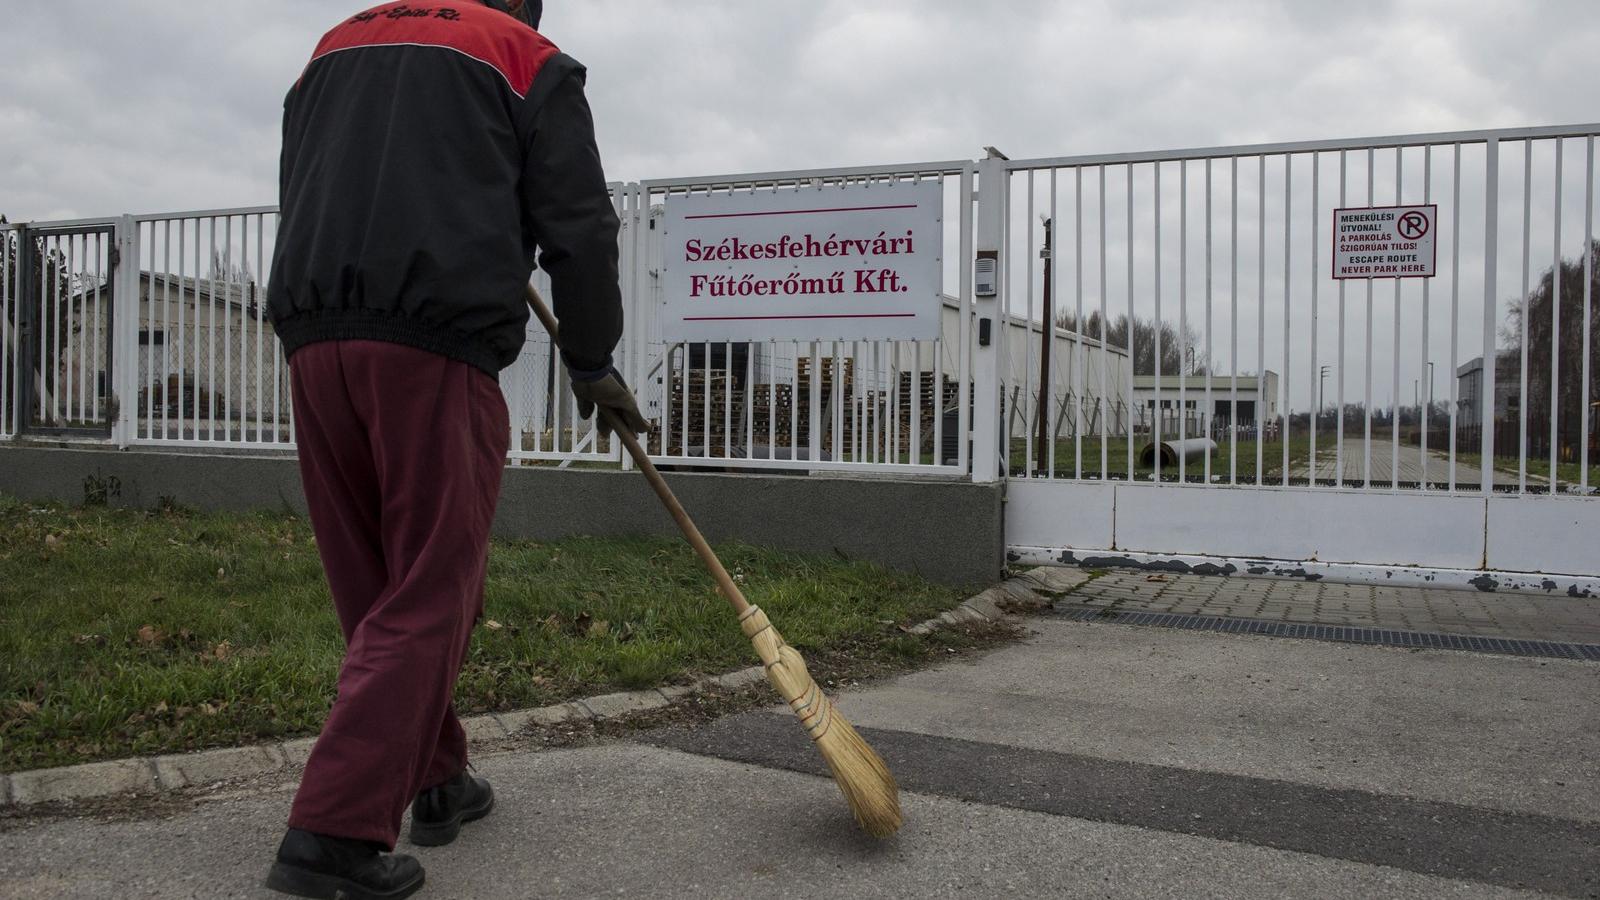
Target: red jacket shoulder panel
[(493, 38)]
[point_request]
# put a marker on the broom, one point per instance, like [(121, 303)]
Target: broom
[(860, 773)]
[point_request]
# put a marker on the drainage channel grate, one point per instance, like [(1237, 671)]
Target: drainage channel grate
[(1349, 634)]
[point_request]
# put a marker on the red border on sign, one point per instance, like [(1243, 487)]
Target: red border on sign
[(798, 212), (821, 316), (1333, 260)]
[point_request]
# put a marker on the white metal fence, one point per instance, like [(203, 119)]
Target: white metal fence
[(1188, 294), (1211, 273)]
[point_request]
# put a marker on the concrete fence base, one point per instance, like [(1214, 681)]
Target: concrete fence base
[(948, 532)]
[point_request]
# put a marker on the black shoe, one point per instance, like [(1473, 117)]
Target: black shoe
[(439, 812), (315, 865)]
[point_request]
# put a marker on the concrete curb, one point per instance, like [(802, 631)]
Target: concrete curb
[(148, 775)]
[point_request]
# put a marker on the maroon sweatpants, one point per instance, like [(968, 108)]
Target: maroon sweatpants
[(401, 452)]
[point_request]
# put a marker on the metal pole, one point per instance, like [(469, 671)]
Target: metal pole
[(986, 450)]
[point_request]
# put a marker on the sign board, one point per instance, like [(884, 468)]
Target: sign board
[(1385, 242), (855, 262)]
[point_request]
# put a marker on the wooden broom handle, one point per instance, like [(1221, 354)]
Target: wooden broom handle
[(685, 524)]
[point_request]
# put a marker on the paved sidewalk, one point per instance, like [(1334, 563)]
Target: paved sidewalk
[(1090, 760), (1383, 469), (1553, 618)]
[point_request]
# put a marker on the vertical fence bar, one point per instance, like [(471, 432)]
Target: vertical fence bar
[(1052, 304), (1316, 317), (183, 331), (100, 270), (1490, 273), (1588, 323), (1077, 275), (1105, 337), (1206, 421), (1522, 314), (258, 307), (1555, 328), (1455, 304), (814, 405), (211, 336), (1394, 394), (1338, 441), (193, 373), (1366, 433), (836, 403), (1261, 322), (228, 278), (1155, 415), (165, 329), (1183, 317), (1028, 458), (43, 279), (1427, 409), (68, 360), (1233, 328), (50, 364), (1288, 285), (1102, 409)]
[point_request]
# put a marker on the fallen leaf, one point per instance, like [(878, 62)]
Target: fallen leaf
[(27, 707), (149, 635), (492, 625), (161, 707), (599, 628), (52, 542), (222, 650)]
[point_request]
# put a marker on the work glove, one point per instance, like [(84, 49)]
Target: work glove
[(605, 388)]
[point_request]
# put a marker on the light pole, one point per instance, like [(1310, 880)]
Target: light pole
[(1322, 377)]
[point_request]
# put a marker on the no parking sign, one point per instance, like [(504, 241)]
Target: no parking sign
[(1385, 242)]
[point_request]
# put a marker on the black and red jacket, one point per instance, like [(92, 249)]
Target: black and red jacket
[(430, 151)]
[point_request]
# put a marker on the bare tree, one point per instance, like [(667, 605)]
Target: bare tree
[(1178, 353), (1556, 335)]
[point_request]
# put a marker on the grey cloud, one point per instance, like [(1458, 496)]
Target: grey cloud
[(167, 104)]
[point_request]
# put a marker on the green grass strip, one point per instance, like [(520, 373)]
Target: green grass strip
[(128, 632)]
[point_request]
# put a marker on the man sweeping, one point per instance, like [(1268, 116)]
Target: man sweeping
[(430, 152)]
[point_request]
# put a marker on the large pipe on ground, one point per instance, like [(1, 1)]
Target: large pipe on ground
[(1191, 449)]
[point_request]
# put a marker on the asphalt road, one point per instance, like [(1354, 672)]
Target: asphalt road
[(1091, 760)]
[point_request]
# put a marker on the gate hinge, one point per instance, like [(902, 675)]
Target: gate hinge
[(115, 256)]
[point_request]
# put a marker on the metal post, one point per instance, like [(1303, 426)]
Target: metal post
[(125, 308), (992, 196)]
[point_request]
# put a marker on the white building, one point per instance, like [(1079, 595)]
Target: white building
[(1185, 399)]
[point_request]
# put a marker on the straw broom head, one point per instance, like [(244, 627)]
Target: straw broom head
[(867, 784)]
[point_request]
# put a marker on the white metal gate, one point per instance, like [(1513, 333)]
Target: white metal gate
[(1202, 283)]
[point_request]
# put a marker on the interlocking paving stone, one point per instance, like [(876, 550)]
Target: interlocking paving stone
[(1554, 618)]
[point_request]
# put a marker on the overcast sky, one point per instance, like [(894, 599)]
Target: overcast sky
[(155, 105), (147, 106)]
